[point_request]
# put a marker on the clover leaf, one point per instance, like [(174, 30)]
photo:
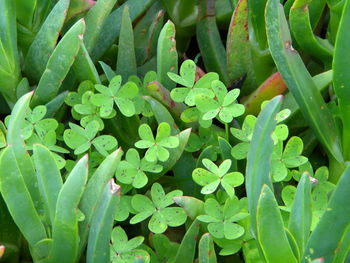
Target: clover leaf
[(156, 148), (187, 74), (204, 138), (74, 98), (34, 121), (280, 133), (187, 77), (193, 115), (132, 169), (82, 107), (115, 93), (49, 140), (222, 219), (240, 150), (81, 139), (161, 215), (124, 208), (290, 157), (141, 105), (89, 112), (223, 105), (165, 249), (320, 191), (124, 250), (214, 176)]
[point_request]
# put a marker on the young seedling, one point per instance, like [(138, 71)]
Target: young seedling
[(156, 148), (214, 176), (161, 215)]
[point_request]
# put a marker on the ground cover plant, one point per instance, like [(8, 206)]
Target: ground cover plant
[(174, 131)]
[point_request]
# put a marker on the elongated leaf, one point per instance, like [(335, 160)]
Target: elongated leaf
[(325, 243), (209, 41), (343, 250), (22, 88), (54, 105), (299, 21), (110, 29), (25, 10), (341, 76), (59, 64), (109, 72), (84, 68), (167, 55), (239, 60), (300, 216), (65, 229), (126, 62), (187, 249), (176, 153), (316, 9), (162, 114), (93, 192), (157, 91), (272, 87), (258, 159), (95, 19), (98, 249), (271, 235), (146, 33), (14, 138), (48, 177), (299, 81), (17, 198), (45, 41), (192, 206), (79, 6), (252, 253), (257, 15), (9, 62), (322, 81), (182, 12), (206, 249), (41, 250), (225, 152)]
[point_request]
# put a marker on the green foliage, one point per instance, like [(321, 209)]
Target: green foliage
[(124, 250), (222, 219), (156, 147), (218, 165), (214, 176), (158, 208)]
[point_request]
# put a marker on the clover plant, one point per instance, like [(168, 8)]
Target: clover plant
[(158, 209), (214, 176), (124, 250), (174, 131), (156, 147)]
